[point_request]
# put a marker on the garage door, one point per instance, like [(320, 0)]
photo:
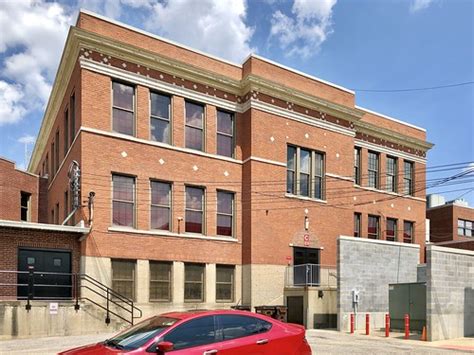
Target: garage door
[(52, 277)]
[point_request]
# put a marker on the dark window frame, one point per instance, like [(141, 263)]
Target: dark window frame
[(132, 281), (231, 215), (169, 206), (27, 207), (377, 227), (408, 238), (232, 136), (231, 284), (408, 177), (202, 129), (357, 224), (462, 226), (56, 152), (357, 165), (202, 282), (133, 202), (373, 169), (132, 111), (393, 238), (66, 131), (202, 210), (163, 119), (392, 174), (168, 281), (72, 118)]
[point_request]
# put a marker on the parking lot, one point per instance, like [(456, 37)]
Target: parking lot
[(322, 342)]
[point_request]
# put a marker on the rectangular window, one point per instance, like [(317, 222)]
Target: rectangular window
[(194, 126), (72, 109), (66, 131), (194, 282), (465, 228), (123, 108), (123, 200), (160, 205), (225, 133), (407, 232), (392, 174), (160, 125), (318, 176), (357, 221), (25, 206), (194, 216), (291, 170), (225, 213), (225, 283), (408, 177), (308, 166), (391, 234), (373, 230), (56, 152), (47, 164), (357, 165), (123, 277), (160, 281), (373, 170)]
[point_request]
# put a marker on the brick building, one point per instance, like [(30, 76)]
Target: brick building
[(451, 223), (210, 177)]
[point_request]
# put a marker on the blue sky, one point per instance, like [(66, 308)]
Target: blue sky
[(363, 44)]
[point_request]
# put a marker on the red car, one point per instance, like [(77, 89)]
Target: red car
[(206, 333)]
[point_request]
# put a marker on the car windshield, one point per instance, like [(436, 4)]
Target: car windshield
[(141, 333)]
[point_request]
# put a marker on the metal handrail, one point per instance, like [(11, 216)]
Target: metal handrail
[(78, 281), (310, 275)]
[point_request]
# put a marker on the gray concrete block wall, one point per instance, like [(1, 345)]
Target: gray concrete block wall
[(450, 293), (369, 266)]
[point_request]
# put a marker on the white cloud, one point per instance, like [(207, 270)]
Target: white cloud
[(418, 5), (27, 139), (306, 29), (33, 35), (214, 26), (11, 106)]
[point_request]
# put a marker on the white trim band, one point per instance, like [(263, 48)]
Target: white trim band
[(263, 160), (43, 226), (389, 151), (170, 234), (378, 241)]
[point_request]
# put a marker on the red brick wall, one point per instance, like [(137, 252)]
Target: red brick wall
[(11, 239), (12, 183), (444, 222)]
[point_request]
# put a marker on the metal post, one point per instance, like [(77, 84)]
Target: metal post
[(407, 326), (367, 324), (31, 285), (352, 323), (76, 291), (107, 318), (132, 312), (387, 325)]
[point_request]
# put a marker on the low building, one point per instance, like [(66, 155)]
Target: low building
[(451, 223)]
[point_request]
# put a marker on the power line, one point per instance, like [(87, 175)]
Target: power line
[(417, 89)]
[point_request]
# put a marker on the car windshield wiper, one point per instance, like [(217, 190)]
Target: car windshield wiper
[(113, 343)]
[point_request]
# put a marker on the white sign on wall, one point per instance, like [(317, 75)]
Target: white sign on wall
[(53, 308)]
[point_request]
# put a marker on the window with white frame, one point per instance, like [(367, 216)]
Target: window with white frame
[(392, 174), (225, 213), (465, 228), (225, 133), (123, 107), (160, 281), (408, 177), (407, 232), (194, 130), (373, 229), (225, 283), (160, 205), (160, 114), (194, 282), (194, 214), (123, 200), (373, 170), (391, 233)]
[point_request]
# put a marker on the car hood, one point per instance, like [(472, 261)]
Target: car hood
[(98, 348)]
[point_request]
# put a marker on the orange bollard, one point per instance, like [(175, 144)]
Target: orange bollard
[(387, 325), (352, 323), (367, 324), (407, 326)]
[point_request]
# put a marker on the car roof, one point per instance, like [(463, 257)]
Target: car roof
[(203, 312)]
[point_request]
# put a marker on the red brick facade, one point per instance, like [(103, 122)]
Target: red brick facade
[(274, 107), (444, 223)]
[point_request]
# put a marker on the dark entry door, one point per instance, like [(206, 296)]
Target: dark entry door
[(295, 310), (306, 266), (52, 270)]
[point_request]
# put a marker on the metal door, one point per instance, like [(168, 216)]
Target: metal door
[(407, 298), (306, 266), (295, 310), (52, 278)]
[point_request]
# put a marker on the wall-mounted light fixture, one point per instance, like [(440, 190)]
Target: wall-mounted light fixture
[(306, 222)]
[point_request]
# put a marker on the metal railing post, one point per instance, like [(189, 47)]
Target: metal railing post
[(76, 291), (31, 285), (132, 312), (107, 318)]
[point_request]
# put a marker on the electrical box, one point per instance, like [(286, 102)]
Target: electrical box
[(355, 296)]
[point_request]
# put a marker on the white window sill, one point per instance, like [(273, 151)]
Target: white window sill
[(389, 192), (156, 232), (298, 197)]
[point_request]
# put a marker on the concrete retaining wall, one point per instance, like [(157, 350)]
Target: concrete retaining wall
[(450, 293), (368, 266)]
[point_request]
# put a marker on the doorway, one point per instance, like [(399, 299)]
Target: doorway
[(52, 277), (306, 271)]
